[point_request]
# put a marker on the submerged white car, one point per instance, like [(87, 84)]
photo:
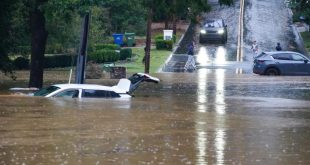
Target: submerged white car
[(123, 89)]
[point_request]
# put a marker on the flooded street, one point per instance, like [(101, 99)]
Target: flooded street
[(208, 117)]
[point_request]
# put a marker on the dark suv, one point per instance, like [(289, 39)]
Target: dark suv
[(213, 30)]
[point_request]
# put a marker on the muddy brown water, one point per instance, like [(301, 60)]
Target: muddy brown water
[(188, 118)]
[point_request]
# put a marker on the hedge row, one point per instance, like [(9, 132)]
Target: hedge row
[(63, 60), (104, 55), (106, 46), (21, 63), (100, 54), (54, 61)]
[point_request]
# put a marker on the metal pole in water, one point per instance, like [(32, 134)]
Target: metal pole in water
[(81, 59)]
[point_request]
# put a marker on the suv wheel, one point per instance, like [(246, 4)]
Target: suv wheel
[(272, 71)]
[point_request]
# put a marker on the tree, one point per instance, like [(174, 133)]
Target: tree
[(125, 16), (39, 33), (6, 8), (38, 43)]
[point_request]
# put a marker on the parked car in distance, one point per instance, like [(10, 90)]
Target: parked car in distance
[(180, 63), (213, 30), (123, 89), (281, 63)]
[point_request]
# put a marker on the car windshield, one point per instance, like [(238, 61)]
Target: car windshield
[(213, 23), (46, 91)]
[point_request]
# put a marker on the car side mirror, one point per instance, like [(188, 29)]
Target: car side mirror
[(306, 61)]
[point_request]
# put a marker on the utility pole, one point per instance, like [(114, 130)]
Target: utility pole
[(81, 58)]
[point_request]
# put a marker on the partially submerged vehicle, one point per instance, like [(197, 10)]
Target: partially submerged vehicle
[(123, 89)]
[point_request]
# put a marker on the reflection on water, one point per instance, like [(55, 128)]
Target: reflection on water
[(211, 55), (220, 56), (203, 56), (239, 71), (205, 142), (220, 92), (202, 90)]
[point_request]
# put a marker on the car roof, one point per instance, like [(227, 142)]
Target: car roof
[(88, 86), (277, 52)]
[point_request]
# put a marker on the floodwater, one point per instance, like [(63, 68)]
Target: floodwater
[(206, 117)]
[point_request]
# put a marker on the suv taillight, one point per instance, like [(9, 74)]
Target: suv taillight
[(260, 61)]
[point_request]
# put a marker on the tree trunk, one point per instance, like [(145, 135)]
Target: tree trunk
[(38, 42), (148, 41), (174, 28), (166, 23), (174, 19)]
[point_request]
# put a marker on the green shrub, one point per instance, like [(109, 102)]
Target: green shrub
[(125, 53), (164, 44), (21, 63), (104, 55), (106, 46), (63, 60)]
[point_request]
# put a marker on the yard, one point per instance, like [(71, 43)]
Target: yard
[(306, 38)]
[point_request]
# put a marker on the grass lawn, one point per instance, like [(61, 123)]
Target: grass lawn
[(158, 58), (306, 38)]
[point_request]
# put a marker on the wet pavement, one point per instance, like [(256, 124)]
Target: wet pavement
[(206, 117), (269, 22)]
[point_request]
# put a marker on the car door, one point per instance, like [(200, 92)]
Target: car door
[(301, 64), (284, 63)]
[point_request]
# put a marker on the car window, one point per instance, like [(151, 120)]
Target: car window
[(297, 57), (282, 56), (71, 93), (46, 91), (90, 93)]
